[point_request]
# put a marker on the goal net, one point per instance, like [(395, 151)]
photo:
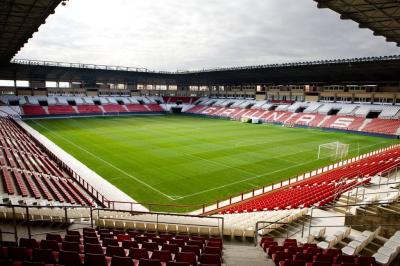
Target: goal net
[(335, 150)]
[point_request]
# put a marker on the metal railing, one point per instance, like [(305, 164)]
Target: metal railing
[(84, 217), (139, 69)]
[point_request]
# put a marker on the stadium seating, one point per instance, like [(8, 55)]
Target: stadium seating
[(33, 110), (27, 171), (321, 189), (114, 108), (292, 253), (56, 250), (61, 109), (350, 116), (88, 109)]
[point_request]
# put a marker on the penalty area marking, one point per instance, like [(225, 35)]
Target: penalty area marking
[(106, 162)]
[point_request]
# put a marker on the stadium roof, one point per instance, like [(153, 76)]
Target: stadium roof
[(372, 70), (380, 16), (19, 20)]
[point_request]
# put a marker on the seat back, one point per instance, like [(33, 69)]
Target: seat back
[(189, 257), (49, 244), (138, 253), (149, 262), (74, 238), (94, 249), (28, 243), (109, 242), (43, 255), (55, 237), (69, 258), (115, 251), (18, 253), (121, 261), (210, 259), (70, 246), (127, 244), (95, 260)]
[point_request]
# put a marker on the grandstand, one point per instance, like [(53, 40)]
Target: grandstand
[(127, 166)]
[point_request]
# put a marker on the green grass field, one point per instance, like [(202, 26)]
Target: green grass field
[(193, 160)]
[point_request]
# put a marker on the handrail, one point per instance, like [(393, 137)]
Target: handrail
[(218, 221)]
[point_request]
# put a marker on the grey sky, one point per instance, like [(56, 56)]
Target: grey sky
[(196, 34)]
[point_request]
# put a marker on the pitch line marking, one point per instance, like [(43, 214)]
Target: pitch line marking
[(106, 162), (264, 174)]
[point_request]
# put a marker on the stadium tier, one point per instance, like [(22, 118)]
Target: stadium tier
[(311, 115), (29, 175), (105, 247), (322, 188)]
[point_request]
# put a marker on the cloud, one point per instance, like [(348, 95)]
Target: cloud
[(196, 34)]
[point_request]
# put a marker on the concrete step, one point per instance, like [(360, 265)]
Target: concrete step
[(241, 254)]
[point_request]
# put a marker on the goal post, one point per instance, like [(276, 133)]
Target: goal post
[(335, 150)]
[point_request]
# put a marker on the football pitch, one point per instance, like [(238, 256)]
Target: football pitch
[(187, 160)]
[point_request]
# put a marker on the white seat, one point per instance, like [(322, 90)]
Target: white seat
[(348, 251), (381, 259)]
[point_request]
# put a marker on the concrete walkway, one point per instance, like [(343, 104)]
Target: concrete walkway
[(108, 190)]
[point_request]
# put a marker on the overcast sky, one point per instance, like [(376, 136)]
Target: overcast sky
[(196, 34)]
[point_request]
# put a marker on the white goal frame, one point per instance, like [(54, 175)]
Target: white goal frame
[(338, 149)]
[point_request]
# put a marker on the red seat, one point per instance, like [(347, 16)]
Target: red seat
[(33, 263), (291, 263), (191, 248), (365, 261), (213, 250), (333, 251), (49, 244), (95, 260), (314, 251), (141, 239), (109, 242), (138, 253), (318, 263), (150, 246), (189, 257), (273, 249), (179, 242), (115, 251), (174, 263), (213, 259), (91, 240), (171, 247), (18, 253), (69, 258), (93, 249), (306, 257), (73, 238), (324, 258), (55, 237), (149, 262), (265, 239), (345, 259), (43, 255), (106, 235), (70, 246), (121, 261), (281, 256), (28, 243), (73, 233), (162, 255), (127, 244), (123, 237)]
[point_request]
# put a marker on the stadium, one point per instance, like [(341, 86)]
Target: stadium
[(290, 164)]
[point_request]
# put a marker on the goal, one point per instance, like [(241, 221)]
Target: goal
[(335, 150)]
